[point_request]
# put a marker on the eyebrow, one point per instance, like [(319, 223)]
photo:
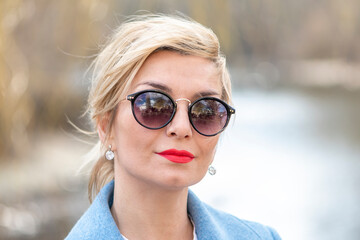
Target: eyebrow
[(166, 89), (159, 86), (205, 94)]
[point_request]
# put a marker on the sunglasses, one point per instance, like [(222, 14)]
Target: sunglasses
[(154, 109)]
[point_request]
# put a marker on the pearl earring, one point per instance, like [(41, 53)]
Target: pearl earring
[(212, 170), (109, 155)]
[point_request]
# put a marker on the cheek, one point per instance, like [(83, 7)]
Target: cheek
[(209, 148), (131, 140), (124, 131)]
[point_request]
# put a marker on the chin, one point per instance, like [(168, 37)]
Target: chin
[(179, 181)]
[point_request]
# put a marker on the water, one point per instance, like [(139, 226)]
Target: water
[(291, 160)]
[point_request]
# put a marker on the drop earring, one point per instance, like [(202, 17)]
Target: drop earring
[(212, 170), (109, 155)]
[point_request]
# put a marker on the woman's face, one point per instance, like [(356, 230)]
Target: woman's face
[(137, 148)]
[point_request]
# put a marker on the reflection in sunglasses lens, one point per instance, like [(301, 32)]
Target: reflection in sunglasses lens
[(209, 116), (153, 109)]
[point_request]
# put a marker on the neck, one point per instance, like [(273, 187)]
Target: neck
[(158, 213)]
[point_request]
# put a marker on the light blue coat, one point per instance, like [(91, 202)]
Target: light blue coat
[(98, 223)]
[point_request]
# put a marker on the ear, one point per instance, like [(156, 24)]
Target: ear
[(102, 128)]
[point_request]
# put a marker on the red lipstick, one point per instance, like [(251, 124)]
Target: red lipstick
[(177, 156)]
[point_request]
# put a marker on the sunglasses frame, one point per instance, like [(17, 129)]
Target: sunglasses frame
[(230, 110)]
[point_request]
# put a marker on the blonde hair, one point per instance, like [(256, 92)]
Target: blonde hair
[(118, 62)]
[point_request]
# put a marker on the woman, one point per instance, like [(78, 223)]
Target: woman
[(159, 100)]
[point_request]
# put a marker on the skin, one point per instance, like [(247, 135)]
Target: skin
[(150, 195)]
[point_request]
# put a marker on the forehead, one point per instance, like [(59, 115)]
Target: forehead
[(181, 74)]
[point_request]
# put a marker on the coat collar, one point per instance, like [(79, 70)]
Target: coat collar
[(205, 225), (98, 223)]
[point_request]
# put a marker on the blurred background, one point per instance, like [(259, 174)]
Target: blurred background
[(290, 159)]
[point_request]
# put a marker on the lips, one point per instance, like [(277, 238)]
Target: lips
[(177, 156)]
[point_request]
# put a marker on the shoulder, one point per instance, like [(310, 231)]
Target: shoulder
[(97, 222), (211, 223)]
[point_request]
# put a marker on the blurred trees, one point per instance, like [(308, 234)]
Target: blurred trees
[(46, 46)]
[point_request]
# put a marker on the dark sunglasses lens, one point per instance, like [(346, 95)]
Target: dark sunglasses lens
[(209, 116), (152, 109)]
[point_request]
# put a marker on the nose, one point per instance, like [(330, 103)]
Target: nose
[(180, 126)]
